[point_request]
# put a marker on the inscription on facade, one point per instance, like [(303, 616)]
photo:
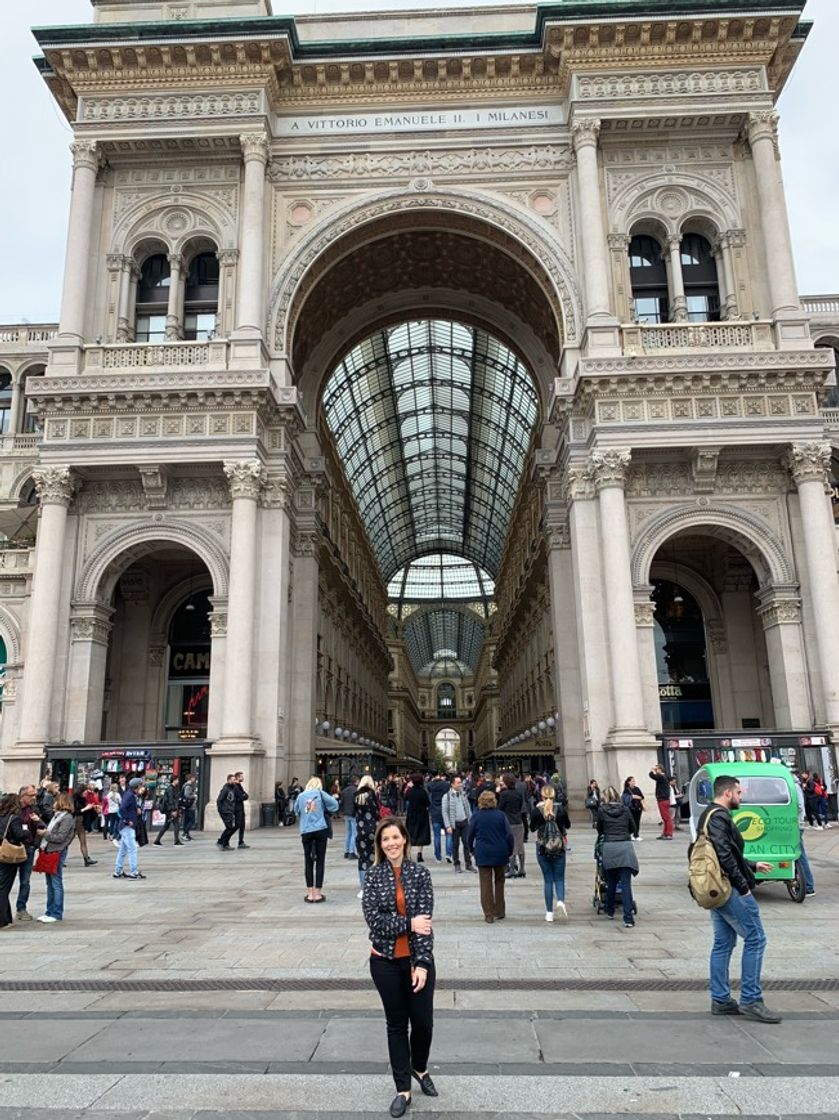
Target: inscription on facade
[(316, 124)]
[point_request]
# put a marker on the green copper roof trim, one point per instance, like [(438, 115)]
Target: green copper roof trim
[(260, 26)]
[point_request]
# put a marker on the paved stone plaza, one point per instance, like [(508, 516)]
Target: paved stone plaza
[(582, 1020)]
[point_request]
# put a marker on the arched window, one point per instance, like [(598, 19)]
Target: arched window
[(152, 299), (188, 690), (699, 271), (201, 297), (5, 400), (684, 688), (648, 277), (446, 701)]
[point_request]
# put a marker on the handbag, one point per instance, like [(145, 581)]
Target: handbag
[(47, 862), (9, 851), (328, 817)]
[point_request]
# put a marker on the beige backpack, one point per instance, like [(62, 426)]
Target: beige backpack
[(707, 884)]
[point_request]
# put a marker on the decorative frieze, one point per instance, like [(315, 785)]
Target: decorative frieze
[(441, 163), (667, 83), (170, 107)]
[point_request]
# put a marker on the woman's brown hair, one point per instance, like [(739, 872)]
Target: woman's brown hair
[(9, 805), (487, 800), (390, 822), (64, 803)]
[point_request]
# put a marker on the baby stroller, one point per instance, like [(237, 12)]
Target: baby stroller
[(600, 887)]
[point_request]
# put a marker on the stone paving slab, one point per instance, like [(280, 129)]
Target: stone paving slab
[(232, 1095)]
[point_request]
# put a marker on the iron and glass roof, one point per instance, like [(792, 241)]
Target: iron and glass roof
[(441, 576), (432, 421), (444, 640)]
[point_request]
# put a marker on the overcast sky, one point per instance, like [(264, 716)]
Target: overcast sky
[(34, 172)]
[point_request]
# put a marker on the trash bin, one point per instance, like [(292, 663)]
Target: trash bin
[(268, 816)]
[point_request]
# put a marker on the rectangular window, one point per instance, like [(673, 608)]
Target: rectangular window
[(703, 309), (650, 309), (150, 328), (199, 325)]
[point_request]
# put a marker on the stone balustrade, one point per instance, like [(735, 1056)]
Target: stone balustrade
[(150, 355), (820, 305), (27, 334), (831, 418), (655, 338), (25, 443)]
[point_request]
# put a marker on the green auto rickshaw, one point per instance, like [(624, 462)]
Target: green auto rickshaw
[(767, 817)]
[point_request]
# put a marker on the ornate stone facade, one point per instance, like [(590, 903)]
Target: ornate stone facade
[(301, 197)]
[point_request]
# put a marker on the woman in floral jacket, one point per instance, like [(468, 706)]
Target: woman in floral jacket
[(367, 810), (398, 907)]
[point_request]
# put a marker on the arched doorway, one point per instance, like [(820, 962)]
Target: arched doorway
[(684, 686), (447, 749)]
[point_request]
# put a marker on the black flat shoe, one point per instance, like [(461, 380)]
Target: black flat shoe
[(426, 1084), (399, 1105)]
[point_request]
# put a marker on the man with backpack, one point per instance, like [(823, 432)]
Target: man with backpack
[(720, 842)]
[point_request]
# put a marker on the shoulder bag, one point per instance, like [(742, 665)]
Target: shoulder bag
[(9, 851), (327, 816)]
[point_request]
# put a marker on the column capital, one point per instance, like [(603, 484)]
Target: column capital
[(254, 147), (115, 262), (85, 154), (618, 241), (91, 622), (763, 125), (674, 242), (644, 606), (228, 257), (779, 605), (610, 467), (54, 485), (245, 477), (176, 261), (585, 133), (808, 462)]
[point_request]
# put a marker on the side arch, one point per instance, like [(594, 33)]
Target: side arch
[(169, 602), (10, 633), (758, 543), (174, 220), (528, 234), (674, 203), (119, 549)]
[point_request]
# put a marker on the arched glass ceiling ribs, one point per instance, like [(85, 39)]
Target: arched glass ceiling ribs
[(432, 421), (441, 635), (441, 576)]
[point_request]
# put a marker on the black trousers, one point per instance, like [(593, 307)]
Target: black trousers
[(174, 820), (314, 856), (636, 821), (404, 1007), (240, 822), (459, 830), (8, 873), (229, 829)]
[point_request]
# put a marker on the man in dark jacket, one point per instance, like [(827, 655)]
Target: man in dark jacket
[(662, 797), (240, 796), (170, 807), (347, 803), (129, 815), (739, 915), (226, 805), (437, 789)]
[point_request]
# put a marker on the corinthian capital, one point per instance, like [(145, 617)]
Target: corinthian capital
[(808, 462), (763, 125), (610, 468), (54, 485), (245, 477), (254, 146), (584, 133), (85, 154)]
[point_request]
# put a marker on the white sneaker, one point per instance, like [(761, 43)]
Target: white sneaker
[(639, 838), (46, 918), (549, 916), (360, 894), (561, 909)]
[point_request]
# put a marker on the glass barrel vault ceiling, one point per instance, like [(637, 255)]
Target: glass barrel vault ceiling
[(450, 640), (432, 421)]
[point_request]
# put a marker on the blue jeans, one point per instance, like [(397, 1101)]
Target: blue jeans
[(822, 813), (55, 890), (349, 836), (437, 827), (553, 872), (621, 875), (127, 847), (809, 882), (740, 915), (24, 872)]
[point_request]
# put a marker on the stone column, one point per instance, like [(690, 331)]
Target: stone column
[(246, 479), (678, 299), (645, 637), (250, 304), (809, 464), (610, 469), (174, 315), (124, 299), (74, 292), (18, 404), (134, 274), (218, 642), (725, 275), (90, 632), (55, 492), (780, 615), (592, 232), (227, 276), (780, 269), (619, 248)]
